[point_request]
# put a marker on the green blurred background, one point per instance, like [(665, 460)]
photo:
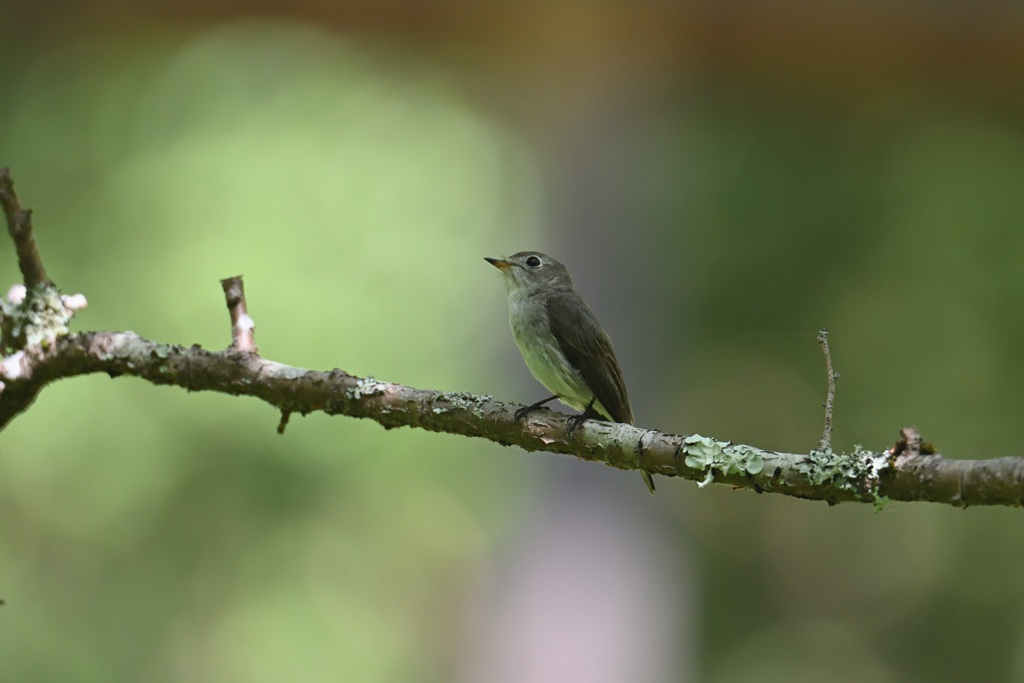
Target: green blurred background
[(722, 181)]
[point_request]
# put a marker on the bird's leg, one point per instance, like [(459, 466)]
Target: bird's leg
[(521, 413), (588, 414)]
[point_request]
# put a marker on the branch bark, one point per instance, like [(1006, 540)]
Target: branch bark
[(19, 224), (243, 329), (826, 436), (899, 473)]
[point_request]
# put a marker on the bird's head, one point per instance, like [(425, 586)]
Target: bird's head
[(529, 272)]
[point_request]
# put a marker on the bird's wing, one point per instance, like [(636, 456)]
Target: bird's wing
[(590, 351)]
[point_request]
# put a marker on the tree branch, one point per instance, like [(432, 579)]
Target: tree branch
[(19, 224), (899, 473), (243, 329), (826, 436)]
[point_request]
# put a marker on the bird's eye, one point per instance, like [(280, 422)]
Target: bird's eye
[(533, 261)]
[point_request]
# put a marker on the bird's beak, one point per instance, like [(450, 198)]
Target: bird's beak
[(498, 263)]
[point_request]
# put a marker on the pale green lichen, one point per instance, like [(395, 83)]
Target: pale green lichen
[(705, 453), (840, 470), (39, 317), (855, 473), (461, 400), (365, 387)]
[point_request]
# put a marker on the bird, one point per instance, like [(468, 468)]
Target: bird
[(562, 341)]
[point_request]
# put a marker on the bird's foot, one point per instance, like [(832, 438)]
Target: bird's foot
[(521, 413), (588, 414), (525, 410), (575, 421)]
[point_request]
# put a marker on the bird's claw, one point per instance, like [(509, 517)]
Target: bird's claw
[(575, 421), (522, 412)]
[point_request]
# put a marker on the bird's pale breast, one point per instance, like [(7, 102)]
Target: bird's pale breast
[(529, 321)]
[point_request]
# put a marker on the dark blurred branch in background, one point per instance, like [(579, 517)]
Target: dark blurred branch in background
[(841, 47), (903, 472)]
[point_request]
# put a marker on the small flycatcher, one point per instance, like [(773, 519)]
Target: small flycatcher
[(562, 342)]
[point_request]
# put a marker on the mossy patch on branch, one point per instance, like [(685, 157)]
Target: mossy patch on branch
[(461, 400), (705, 453), (855, 473), (367, 386), (41, 316)]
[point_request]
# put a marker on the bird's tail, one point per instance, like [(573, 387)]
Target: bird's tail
[(648, 479), (627, 418)]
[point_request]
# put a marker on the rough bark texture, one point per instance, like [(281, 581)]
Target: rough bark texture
[(42, 352)]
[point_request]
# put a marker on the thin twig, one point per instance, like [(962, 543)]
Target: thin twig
[(826, 437), (19, 224), (243, 329)]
